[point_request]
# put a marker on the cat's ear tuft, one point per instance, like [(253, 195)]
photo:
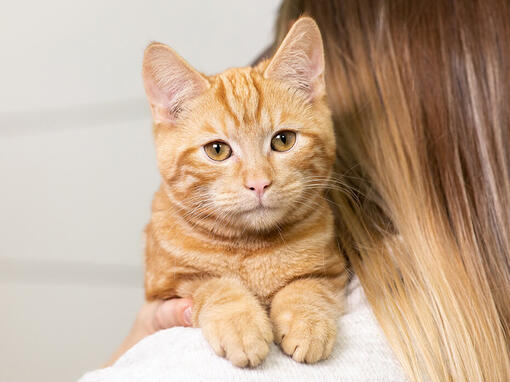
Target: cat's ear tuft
[(169, 81), (299, 61)]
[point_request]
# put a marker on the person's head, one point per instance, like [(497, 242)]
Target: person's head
[(419, 92)]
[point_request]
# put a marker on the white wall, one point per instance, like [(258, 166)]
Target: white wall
[(77, 168), (61, 53)]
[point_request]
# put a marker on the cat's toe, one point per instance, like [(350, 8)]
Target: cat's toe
[(306, 340), (256, 344), (244, 353), (309, 351), (243, 344), (248, 349)]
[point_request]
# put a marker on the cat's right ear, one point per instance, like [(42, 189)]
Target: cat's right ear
[(169, 82)]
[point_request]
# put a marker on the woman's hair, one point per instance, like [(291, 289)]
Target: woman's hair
[(420, 93)]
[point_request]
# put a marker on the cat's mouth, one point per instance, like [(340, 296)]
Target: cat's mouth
[(258, 209)]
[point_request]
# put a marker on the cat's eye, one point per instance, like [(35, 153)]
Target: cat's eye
[(218, 150), (283, 140)]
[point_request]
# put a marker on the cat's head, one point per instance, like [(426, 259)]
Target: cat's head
[(250, 148)]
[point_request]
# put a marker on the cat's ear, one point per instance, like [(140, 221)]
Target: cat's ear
[(169, 82), (299, 61)]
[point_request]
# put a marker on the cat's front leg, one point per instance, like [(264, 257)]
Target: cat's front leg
[(304, 315), (233, 322)]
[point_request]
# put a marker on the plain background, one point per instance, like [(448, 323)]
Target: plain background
[(77, 167)]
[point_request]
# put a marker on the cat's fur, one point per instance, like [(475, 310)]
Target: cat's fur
[(254, 273)]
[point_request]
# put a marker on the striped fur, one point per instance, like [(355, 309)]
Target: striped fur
[(253, 274)]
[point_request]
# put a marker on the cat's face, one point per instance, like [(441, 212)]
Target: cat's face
[(250, 148)]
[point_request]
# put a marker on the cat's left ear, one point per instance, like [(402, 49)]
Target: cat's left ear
[(170, 82), (299, 61)]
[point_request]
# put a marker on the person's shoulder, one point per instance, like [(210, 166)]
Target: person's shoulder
[(182, 354)]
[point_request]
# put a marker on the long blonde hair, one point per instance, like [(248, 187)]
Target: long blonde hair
[(420, 92)]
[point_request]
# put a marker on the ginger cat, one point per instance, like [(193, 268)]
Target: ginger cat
[(240, 223)]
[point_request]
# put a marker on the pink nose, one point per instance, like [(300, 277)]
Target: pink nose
[(258, 186)]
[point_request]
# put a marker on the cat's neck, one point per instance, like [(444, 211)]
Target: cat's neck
[(223, 233)]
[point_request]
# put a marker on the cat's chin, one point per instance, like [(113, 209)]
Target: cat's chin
[(258, 210), (261, 219)]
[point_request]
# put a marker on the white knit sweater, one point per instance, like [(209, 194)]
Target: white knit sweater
[(182, 354)]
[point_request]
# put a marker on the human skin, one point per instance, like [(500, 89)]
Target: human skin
[(216, 234), (152, 317)]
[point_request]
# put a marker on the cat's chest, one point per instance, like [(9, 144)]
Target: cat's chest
[(264, 268), (266, 272), (262, 273)]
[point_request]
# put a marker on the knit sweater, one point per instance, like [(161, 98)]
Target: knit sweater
[(181, 354)]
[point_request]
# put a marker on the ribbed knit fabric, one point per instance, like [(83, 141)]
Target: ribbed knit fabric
[(182, 354)]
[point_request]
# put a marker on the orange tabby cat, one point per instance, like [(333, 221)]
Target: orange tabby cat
[(240, 223)]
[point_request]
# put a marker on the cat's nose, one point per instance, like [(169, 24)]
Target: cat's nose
[(259, 186)]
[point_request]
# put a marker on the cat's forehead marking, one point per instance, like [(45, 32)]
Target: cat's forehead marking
[(240, 94)]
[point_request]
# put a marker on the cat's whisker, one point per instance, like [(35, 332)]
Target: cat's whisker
[(280, 233), (309, 205), (199, 209), (347, 189), (349, 192)]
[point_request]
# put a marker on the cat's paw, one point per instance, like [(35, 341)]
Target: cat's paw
[(243, 337), (306, 336)]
